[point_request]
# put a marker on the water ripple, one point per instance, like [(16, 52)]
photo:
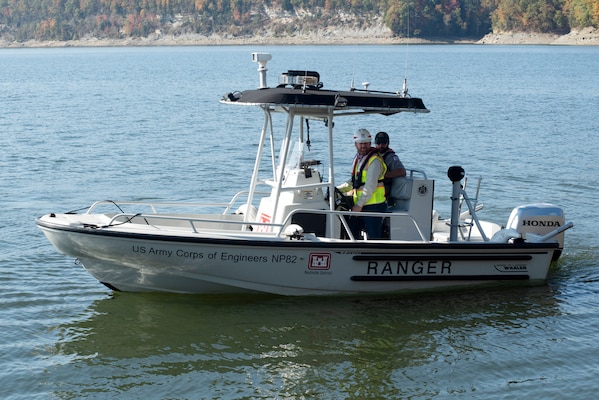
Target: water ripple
[(144, 123)]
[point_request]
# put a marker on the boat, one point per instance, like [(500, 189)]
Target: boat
[(288, 234)]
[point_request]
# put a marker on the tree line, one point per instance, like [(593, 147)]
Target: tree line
[(22, 20)]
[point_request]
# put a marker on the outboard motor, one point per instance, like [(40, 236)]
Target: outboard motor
[(538, 219)]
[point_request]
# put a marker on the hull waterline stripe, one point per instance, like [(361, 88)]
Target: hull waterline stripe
[(365, 278), (448, 257)]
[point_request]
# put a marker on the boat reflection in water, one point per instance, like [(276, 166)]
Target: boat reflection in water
[(243, 344), (288, 233)]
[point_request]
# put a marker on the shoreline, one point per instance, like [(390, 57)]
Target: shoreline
[(582, 37)]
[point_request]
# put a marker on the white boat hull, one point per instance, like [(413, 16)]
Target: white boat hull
[(202, 263)]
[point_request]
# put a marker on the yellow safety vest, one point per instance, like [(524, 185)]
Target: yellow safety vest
[(359, 179)]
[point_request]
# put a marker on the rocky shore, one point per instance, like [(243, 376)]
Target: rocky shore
[(329, 36), (582, 37)]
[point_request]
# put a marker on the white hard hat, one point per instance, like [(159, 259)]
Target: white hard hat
[(362, 136)]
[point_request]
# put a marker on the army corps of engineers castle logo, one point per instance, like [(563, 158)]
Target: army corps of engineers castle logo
[(319, 261)]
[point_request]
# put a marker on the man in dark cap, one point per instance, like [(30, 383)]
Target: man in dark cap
[(395, 177)]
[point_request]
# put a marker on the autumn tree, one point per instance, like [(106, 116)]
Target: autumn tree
[(23, 20), (582, 13)]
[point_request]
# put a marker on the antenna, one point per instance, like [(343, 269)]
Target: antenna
[(404, 89)]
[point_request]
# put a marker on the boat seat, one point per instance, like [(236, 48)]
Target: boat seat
[(401, 192)]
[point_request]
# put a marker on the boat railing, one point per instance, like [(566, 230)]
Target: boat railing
[(273, 183), (233, 222), (208, 223), (411, 172), (154, 206), (236, 199), (342, 214)]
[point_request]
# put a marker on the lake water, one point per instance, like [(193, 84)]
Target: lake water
[(85, 124)]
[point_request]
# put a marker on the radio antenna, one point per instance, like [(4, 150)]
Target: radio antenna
[(404, 89)]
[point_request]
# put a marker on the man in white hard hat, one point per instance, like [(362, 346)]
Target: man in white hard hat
[(368, 173)]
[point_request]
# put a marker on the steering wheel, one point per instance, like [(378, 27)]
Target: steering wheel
[(343, 202)]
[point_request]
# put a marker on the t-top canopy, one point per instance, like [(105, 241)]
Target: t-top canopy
[(301, 92), (320, 100)]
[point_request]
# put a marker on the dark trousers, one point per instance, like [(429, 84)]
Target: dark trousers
[(373, 226)]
